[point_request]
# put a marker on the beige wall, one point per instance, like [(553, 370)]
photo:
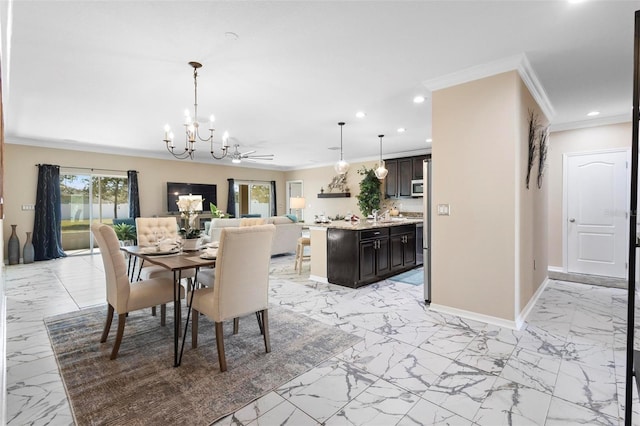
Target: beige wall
[(481, 258), (532, 240), (570, 141), (320, 177), (22, 175)]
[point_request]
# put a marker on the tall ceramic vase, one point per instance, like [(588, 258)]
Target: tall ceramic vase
[(14, 247), (27, 250)]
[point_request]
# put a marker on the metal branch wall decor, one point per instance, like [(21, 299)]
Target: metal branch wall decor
[(542, 150), (534, 125)]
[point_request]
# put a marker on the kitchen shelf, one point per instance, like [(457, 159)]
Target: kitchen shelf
[(334, 195)]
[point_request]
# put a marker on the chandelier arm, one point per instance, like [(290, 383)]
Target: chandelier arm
[(186, 154), (225, 152)]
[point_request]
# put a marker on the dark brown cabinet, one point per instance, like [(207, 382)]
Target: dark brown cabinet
[(398, 180), (374, 254), (402, 171), (403, 247), (418, 172), (359, 257)]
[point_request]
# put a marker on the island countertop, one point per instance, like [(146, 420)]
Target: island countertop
[(366, 224)]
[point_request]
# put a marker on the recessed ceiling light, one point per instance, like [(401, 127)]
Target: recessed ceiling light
[(401, 130), (361, 114), (593, 113), (429, 140), (230, 35), (418, 99)]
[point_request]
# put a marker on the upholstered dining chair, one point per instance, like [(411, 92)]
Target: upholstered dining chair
[(241, 284), (205, 276), (148, 230), (122, 297)]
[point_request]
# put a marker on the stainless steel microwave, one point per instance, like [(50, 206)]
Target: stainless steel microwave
[(417, 186)]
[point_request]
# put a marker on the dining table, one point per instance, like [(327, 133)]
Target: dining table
[(174, 260)]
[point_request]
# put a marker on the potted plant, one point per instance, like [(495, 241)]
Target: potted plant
[(370, 195), (190, 232), (126, 233), (216, 213)]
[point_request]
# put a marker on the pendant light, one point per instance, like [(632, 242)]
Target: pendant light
[(381, 171), (341, 166)]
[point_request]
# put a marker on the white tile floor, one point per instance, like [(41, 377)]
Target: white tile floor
[(413, 366)]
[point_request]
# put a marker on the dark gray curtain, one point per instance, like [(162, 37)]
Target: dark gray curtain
[(134, 199), (47, 227), (231, 199), (274, 209)]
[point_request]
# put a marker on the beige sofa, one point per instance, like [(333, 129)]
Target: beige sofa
[(284, 241)]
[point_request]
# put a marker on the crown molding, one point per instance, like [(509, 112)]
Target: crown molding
[(592, 122), (518, 63)]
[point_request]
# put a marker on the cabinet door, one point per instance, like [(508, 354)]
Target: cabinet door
[(417, 167), (382, 257), (397, 251), (391, 181), (367, 260), (410, 249), (405, 173)]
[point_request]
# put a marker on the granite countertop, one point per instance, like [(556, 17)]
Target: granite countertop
[(366, 224)]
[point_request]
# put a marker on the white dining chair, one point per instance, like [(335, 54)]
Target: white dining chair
[(241, 284), (122, 297)]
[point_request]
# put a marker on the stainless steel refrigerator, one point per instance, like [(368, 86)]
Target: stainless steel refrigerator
[(426, 229)]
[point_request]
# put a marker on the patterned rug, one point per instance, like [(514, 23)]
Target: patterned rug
[(141, 386), (413, 277)]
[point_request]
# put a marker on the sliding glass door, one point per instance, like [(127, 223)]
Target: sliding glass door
[(253, 199), (88, 198)]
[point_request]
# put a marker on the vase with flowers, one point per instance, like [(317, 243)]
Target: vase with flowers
[(190, 233)]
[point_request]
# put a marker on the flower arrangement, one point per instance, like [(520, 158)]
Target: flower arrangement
[(188, 207)]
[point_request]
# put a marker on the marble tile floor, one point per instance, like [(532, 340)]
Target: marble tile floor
[(412, 367)]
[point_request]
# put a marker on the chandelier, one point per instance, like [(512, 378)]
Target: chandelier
[(381, 171), (341, 166), (192, 129)]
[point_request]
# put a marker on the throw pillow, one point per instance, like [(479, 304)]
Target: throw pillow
[(293, 217)]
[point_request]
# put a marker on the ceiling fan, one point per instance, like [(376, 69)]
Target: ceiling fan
[(237, 156)]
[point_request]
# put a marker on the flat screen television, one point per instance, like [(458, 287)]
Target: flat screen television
[(176, 189)]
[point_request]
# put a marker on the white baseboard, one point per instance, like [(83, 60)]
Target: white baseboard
[(522, 316), (319, 279), (501, 322), (555, 269)]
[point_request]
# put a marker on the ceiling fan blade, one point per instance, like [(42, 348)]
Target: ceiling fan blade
[(248, 152), (270, 156)]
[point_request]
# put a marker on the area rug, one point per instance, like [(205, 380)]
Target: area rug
[(142, 387), (413, 277)]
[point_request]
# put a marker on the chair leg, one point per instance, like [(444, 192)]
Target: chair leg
[(153, 311), (107, 324), (222, 360), (265, 324), (295, 263), (194, 328), (259, 318), (116, 346), (163, 314), (236, 325)]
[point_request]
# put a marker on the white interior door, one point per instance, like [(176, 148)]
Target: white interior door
[(597, 194)]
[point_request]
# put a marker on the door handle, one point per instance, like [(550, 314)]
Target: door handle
[(572, 220)]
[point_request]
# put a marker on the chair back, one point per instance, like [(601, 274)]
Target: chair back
[(252, 221), (150, 228), (241, 284), (115, 266)]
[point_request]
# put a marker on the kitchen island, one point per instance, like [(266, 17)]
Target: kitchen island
[(354, 254)]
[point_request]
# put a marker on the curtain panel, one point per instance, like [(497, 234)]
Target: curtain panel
[(134, 198), (231, 198), (47, 226), (274, 209)]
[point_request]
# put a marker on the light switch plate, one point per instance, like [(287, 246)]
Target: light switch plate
[(443, 210)]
